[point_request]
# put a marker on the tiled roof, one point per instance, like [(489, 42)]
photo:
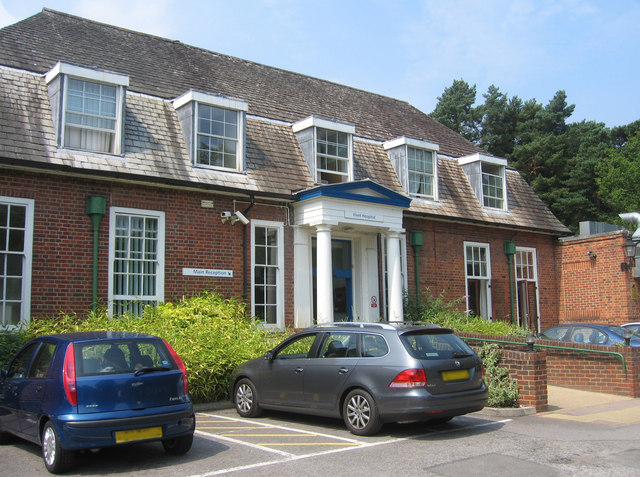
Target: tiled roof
[(166, 68), (160, 70)]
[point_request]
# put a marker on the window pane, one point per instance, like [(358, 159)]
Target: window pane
[(136, 263), (90, 116), (217, 140)]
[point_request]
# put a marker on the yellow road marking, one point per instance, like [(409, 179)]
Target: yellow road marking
[(232, 427), (278, 444), (268, 435), (221, 420)]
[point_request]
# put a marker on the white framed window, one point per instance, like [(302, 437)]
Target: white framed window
[(214, 128), (332, 155), (527, 290), (477, 259), (16, 246), (267, 264), (487, 177), (416, 164), (421, 172), (493, 185), (91, 105), (328, 148), (136, 260)]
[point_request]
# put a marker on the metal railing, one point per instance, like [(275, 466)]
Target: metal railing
[(582, 350)]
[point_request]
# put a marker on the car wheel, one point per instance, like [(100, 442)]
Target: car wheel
[(360, 413), (245, 399), (178, 445), (56, 459)]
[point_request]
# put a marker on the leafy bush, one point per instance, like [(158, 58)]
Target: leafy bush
[(503, 392), (210, 333), (10, 343), (447, 314)]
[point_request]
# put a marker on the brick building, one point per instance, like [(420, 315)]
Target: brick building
[(136, 169)]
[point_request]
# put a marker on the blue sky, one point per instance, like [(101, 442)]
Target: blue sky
[(409, 49)]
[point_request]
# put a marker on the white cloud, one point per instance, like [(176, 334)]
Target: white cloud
[(155, 17), (5, 17)]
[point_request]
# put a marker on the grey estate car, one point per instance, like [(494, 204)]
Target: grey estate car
[(365, 373)]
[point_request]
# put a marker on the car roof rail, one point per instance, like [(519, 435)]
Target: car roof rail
[(354, 324), (411, 323)]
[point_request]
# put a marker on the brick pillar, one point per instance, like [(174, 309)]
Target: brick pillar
[(532, 380)]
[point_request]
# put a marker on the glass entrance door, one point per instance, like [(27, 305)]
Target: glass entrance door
[(342, 280)]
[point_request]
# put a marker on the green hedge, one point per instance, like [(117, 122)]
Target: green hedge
[(439, 311), (211, 334)]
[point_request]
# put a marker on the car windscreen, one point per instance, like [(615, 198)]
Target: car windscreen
[(122, 356), (428, 344), (616, 330)]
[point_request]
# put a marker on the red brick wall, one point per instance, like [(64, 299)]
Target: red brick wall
[(596, 290), (587, 367), (195, 238), (442, 267)]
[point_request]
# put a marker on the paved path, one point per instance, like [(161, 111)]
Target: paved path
[(585, 406)]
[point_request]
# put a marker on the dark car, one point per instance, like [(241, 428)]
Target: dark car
[(89, 390), (365, 373), (587, 333)]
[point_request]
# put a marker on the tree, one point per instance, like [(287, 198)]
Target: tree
[(455, 110), (500, 122), (618, 176)]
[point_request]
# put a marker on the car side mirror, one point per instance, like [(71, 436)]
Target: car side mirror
[(268, 356)]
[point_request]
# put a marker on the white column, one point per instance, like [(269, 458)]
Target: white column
[(394, 277), (324, 294)]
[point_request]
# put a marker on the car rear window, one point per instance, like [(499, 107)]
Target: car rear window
[(107, 357), (430, 345)]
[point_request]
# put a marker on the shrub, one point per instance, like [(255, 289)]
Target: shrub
[(503, 391), (447, 314), (211, 334), (10, 343)]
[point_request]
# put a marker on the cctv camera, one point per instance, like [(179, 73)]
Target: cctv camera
[(225, 215), (239, 216)]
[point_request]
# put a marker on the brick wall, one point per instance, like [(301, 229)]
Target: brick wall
[(604, 369), (595, 290), (442, 267), (194, 238)]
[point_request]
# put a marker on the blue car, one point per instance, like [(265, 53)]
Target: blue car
[(89, 390), (588, 333)]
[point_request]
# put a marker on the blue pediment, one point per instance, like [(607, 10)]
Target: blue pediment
[(363, 191)]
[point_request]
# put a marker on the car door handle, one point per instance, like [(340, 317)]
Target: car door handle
[(298, 370), (343, 371), (38, 389)]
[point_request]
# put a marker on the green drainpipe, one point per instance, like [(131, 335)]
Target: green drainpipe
[(416, 240), (96, 208), (510, 251)]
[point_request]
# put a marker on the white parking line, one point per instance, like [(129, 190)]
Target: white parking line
[(292, 457)]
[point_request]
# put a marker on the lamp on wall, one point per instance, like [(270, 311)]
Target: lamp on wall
[(629, 247)]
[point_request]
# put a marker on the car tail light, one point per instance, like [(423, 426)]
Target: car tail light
[(410, 378), (69, 375), (181, 367)]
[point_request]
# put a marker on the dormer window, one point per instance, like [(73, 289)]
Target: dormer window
[(214, 129), (416, 163), (91, 106), (328, 149), (493, 185), (487, 177)]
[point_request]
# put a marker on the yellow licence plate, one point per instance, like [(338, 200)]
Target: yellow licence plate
[(455, 375), (138, 434)]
